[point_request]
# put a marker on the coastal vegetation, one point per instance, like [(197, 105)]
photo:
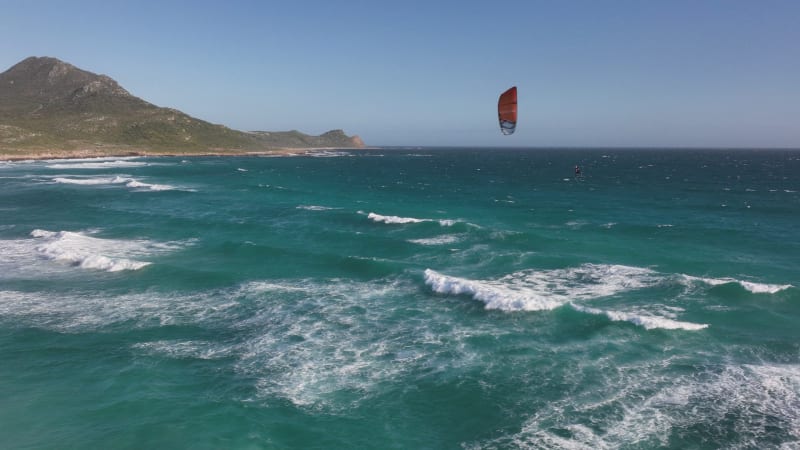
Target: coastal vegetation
[(51, 108)]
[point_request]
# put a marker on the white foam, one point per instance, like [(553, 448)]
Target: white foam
[(647, 321), (187, 349), (755, 288), (438, 240), (118, 179), (332, 339), (316, 343), (393, 219), (97, 165), (152, 187), (91, 310), (87, 252), (85, 181), (495, 296), (328, 344), (543, 290), (576, 224), (404, 220), (92, 159), (315, 208), (327, 154), (737, 401)]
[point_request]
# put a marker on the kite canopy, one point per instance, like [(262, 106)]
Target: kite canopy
[(507, 111)]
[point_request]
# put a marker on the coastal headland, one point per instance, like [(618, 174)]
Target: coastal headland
[(52, 109)]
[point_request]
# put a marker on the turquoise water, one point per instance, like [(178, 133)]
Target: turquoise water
[(423, 298)]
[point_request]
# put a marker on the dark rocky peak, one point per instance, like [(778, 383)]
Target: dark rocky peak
[(44, 79)]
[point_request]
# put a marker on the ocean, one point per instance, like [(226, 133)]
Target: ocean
[(417, 298)]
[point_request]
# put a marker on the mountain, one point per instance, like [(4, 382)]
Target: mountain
[(46, 103)]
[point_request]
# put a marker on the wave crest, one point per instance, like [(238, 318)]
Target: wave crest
[(97, 165), (550, 289), (647, 321), (753, 287), (128, 182), (544, 290), (87, 252), (404, 220)]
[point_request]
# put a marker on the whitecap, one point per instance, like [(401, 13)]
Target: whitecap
[(653, 407), (86, 181), (405, 220), (327, 154), (152, 187), (186, 349), (118, 179), (394, 219), (310, 342), (315, 208), (532, 290), (437, 240), (647, 321), (88, 252), (576, 224), (92, 159), (753, 287), (320, 343), (495, 296), (98, 165), (82, 311)]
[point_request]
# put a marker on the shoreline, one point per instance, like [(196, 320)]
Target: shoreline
[(75, 154)]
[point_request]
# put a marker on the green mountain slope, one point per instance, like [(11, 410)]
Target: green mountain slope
[(46, 103)]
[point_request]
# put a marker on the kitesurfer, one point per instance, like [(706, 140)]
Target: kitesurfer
[(577, 171)]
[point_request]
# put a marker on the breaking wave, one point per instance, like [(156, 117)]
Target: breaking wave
[(98, 165), (755, 288), (404, 220), (327, 154), (545, 290), (128, 182), (645, 320), (438, 240), (550, 289), (87, 252), (315, 208)]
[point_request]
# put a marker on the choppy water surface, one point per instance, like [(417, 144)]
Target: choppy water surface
[(426, 298)]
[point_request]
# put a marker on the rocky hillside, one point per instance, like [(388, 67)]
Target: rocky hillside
[(46, 103)]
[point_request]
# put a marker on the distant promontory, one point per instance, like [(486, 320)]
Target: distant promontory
[(49, 108)]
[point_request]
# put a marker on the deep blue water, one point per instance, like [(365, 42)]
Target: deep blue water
[(395, 298)]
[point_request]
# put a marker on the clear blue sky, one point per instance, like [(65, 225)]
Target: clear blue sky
[(590, 73)]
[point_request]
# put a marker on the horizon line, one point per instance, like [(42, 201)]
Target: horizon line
[(578, 147)]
